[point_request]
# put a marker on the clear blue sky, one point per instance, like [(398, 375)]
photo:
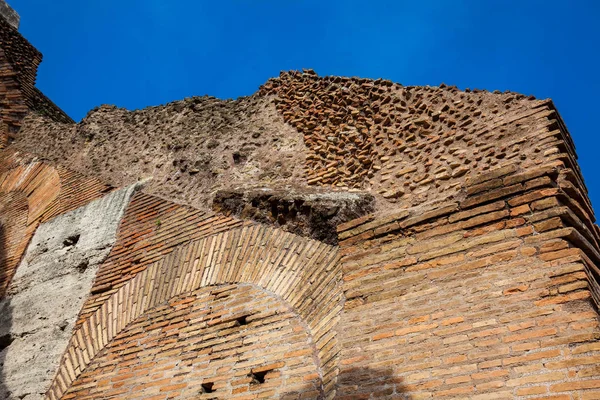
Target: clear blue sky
[(136, 53)]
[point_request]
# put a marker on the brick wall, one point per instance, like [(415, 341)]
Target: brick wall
[(13, 234), (19, 61), (12, 102), (151, 229), (476, 277), (487, 298), (303, 273), (492, 296), (234, 342), (32, 192)]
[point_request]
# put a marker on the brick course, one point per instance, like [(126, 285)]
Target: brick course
[(479, 308), (302, 272), (32, 192), (196, 339)]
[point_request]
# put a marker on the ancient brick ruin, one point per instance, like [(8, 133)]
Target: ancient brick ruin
[(324, 238)]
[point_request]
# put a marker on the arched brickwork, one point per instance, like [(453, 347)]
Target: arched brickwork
[(209, 341), (38, 181), (35, 191), (150, 229), (304, 273), (25, 194), (13, 234)]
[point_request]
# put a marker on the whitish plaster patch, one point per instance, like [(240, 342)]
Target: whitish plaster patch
[(48, 291)]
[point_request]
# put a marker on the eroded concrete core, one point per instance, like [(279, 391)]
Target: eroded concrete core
[(48, 290), (190, 148), (309, 212), (9, 14)]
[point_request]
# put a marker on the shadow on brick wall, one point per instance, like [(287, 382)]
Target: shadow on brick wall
[(359, 383), (5, 319)]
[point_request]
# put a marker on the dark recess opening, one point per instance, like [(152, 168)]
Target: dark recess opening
[(239, 158), (5, 341), (71, 240), (259, 377), (207, 387), (241, 320)]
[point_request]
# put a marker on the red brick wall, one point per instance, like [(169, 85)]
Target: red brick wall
[(486, 298), (491, 295), (151, 229), (13, 235), (215, 336), (19, 61), (12, 101), (303, 273), (32, 192)]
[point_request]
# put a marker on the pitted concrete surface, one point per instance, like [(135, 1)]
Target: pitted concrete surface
[(48, 291), (9, 14)]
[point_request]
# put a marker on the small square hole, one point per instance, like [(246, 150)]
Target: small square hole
[(258, 377), (207, 387)]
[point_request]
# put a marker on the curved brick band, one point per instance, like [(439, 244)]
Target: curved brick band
[(233, 341), (38, 181), (26, 192), (305, 273), (47, 191)]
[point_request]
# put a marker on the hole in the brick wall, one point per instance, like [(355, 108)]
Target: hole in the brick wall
[(207, 387), (243, 320), (5, 341), (258, 377), (71, 240)]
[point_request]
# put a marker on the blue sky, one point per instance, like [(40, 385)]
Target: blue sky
[(135, 53)]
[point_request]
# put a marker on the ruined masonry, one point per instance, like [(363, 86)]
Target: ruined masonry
[(324, 238)]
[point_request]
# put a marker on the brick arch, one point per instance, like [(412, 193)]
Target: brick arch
[(38, 181), (216, 336), (26, 193), (304, 273), (13, 235), (47, 191)]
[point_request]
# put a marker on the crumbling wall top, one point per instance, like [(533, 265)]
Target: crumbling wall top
[(9, 14)]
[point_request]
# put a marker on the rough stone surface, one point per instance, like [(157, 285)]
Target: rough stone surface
[(405, 145), (48, 290), (304, 211), (9, 14), (190, 148)]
